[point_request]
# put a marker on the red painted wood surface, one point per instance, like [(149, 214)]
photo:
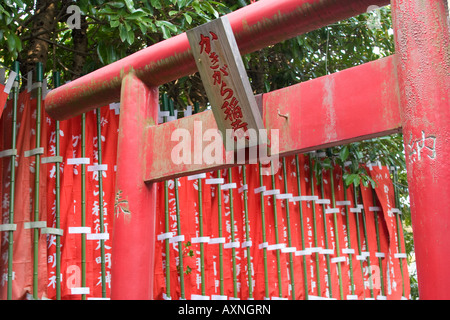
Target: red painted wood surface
[(422, 38), (134, 223), (355, 104), (256, 26)]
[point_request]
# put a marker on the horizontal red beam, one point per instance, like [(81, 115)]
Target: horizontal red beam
[(351, 105), (255, 26)]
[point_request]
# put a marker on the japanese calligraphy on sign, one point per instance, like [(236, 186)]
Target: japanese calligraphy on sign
[(225, 79)]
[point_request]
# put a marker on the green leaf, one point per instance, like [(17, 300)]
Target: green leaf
[(130, 5), (188, 270), (101, 53), (123, 33), (136, 15), (188, 18), (350, 178), (114, 23), (156, 4), (210, 9), (116, 4), (18, 43), (11, 40), (130, 37), (344, 153)]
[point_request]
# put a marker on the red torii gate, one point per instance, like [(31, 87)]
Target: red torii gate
[(409, 92)]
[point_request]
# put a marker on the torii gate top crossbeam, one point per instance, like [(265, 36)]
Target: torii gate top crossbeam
[(255, 26)]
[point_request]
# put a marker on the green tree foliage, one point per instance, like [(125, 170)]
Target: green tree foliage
[(38, 30)]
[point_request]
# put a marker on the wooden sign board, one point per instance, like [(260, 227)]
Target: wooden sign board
[(226, 83)]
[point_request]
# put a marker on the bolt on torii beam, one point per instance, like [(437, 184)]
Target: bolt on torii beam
[(406, 92)]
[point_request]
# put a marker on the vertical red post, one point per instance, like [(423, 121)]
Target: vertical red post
[(135, 208), (423, 67)]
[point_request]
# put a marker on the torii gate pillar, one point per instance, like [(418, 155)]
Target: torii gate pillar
[(423, 66), (134, 224)]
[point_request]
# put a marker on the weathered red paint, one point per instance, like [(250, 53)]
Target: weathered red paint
[(354, 104), (256, 26), (134, 224), (422, 38), (423, 70)]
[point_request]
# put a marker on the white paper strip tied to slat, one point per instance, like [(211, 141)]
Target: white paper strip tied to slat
[(35, 225), (363, 256), (216, 240), (230, 245), (77, 161), (326, 251), (247, 244), (215, 181), (332, 210), (348, 251), (305, 252), (271, 192), (289, 250), (9, 84), (97, 236), (277, 246), (263, 245), (8, 227), (306, 198), (374, 209), (164, 236), (199, 297), (395, 210), (323, 201), (79, 230), (284, 196), (352, 297), (380, 255), (259, 190), (370, 165), (197, 176), (56, 159), (233, 298), (400, 255), (321, 154), (218, 297), (229, 186), (164, 114), (243, 188), (34, 152), (94, 298), (8, 153), (176, 239), (355, 210), (315, 249), (380, 297), (116, 107), (310, 297), (81, 290), (52, 231), (36, 85), (347, 163), (343, 203), (98, 167), (338, 259), (279, 298), (200, 240), (188, 111)]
